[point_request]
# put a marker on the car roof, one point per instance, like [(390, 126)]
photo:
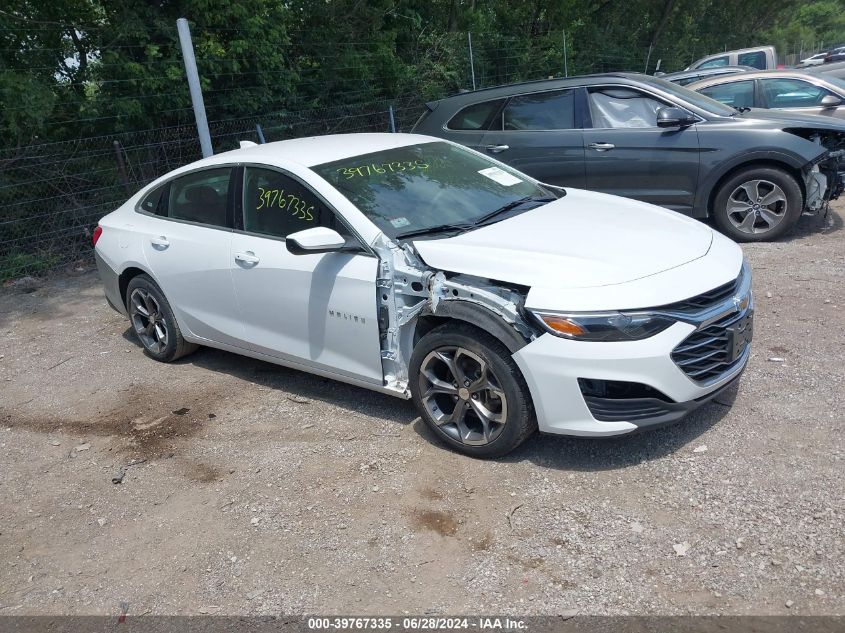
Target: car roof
[(505, 90), (759, 74), (316, 150), (701, 71)]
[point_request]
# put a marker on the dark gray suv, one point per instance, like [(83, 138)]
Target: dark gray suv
[(753, 171)]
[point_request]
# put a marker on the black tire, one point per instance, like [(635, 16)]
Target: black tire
[(470, 350), (787, 205), (143, 294)]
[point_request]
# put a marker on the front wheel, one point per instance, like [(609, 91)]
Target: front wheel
[(470, 392), (758, 204)]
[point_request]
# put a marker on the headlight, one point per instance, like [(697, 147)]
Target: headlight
[(604, 326)]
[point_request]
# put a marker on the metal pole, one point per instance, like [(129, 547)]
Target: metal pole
[(392, 120), (121, 167), (194, 85), (565, 66), (471, 63), (260, 133), (647, 59)]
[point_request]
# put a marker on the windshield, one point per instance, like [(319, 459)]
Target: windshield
[(695, 98), (409, 190)]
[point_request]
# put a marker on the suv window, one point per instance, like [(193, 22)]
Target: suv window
[(155, 202), (715, 62), (475, 117), (201, 196), (739, 94), (554, 110), (757, 59), (792, 93), (623, 108), (277, 205)]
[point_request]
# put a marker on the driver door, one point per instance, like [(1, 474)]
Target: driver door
[(628, 155), (315, 310)]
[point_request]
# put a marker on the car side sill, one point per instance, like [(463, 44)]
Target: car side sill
[(357, 382)]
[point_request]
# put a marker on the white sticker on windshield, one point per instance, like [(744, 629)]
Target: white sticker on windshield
[(398, 223), (500, 176)]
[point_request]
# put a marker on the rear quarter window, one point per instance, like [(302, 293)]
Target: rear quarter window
[(476, 116)]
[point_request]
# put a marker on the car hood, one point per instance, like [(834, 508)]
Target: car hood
[(785, 118), (582, 240)]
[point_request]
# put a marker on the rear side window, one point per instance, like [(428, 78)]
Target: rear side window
[(277, 205), (201, 197), (757, 59), (541, 111), (715, 62), (475, 117), (739, 94), (155, 202)]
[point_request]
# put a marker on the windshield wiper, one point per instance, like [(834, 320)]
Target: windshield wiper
[(440, 228), (742, 109), (510, 206)]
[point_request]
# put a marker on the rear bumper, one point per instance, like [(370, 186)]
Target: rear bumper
[(111, 284)]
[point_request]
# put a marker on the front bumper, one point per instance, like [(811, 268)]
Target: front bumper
[(552, 367)]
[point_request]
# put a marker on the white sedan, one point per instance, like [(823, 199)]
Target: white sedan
[(419, 268)]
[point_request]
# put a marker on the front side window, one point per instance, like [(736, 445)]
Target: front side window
[(418, 187), (201, 196), (277, 205), (739, 94), (623, 108), (757, 59), (553, 110), (792, 93), (715, 62), (475, 117)]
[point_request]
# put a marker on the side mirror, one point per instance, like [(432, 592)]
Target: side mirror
[(317, 240), (830, 101), (674, 117)]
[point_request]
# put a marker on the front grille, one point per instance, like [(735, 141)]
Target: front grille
[(705, 299), (705, 354)]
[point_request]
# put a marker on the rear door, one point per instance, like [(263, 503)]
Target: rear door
[(186, 240), (628, 155), (540, 134)]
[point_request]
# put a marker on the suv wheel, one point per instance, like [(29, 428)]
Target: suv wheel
[(153, 321), (470, 392), (758, 204)]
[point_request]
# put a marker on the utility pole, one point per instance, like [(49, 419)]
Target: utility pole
[(471, 62), (194, 85), (565, 66)]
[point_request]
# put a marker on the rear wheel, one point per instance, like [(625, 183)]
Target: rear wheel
[(758, 204), (470, 392), (153, 321)]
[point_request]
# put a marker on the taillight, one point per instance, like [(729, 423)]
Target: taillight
[(97, 233)]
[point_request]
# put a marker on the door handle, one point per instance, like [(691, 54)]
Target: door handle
[(495, 149), (248, 258), (601, 147), (159, 243)]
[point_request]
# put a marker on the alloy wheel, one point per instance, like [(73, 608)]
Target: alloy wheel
[(462, 395), (756, 206), (148, 320)]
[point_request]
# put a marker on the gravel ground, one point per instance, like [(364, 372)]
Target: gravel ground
[(253, 489)]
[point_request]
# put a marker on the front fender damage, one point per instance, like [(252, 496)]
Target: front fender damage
[(408, 289)]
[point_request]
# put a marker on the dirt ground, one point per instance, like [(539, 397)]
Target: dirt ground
[(254, 489)]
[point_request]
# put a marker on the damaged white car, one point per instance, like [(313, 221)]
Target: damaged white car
[(419, 268)]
